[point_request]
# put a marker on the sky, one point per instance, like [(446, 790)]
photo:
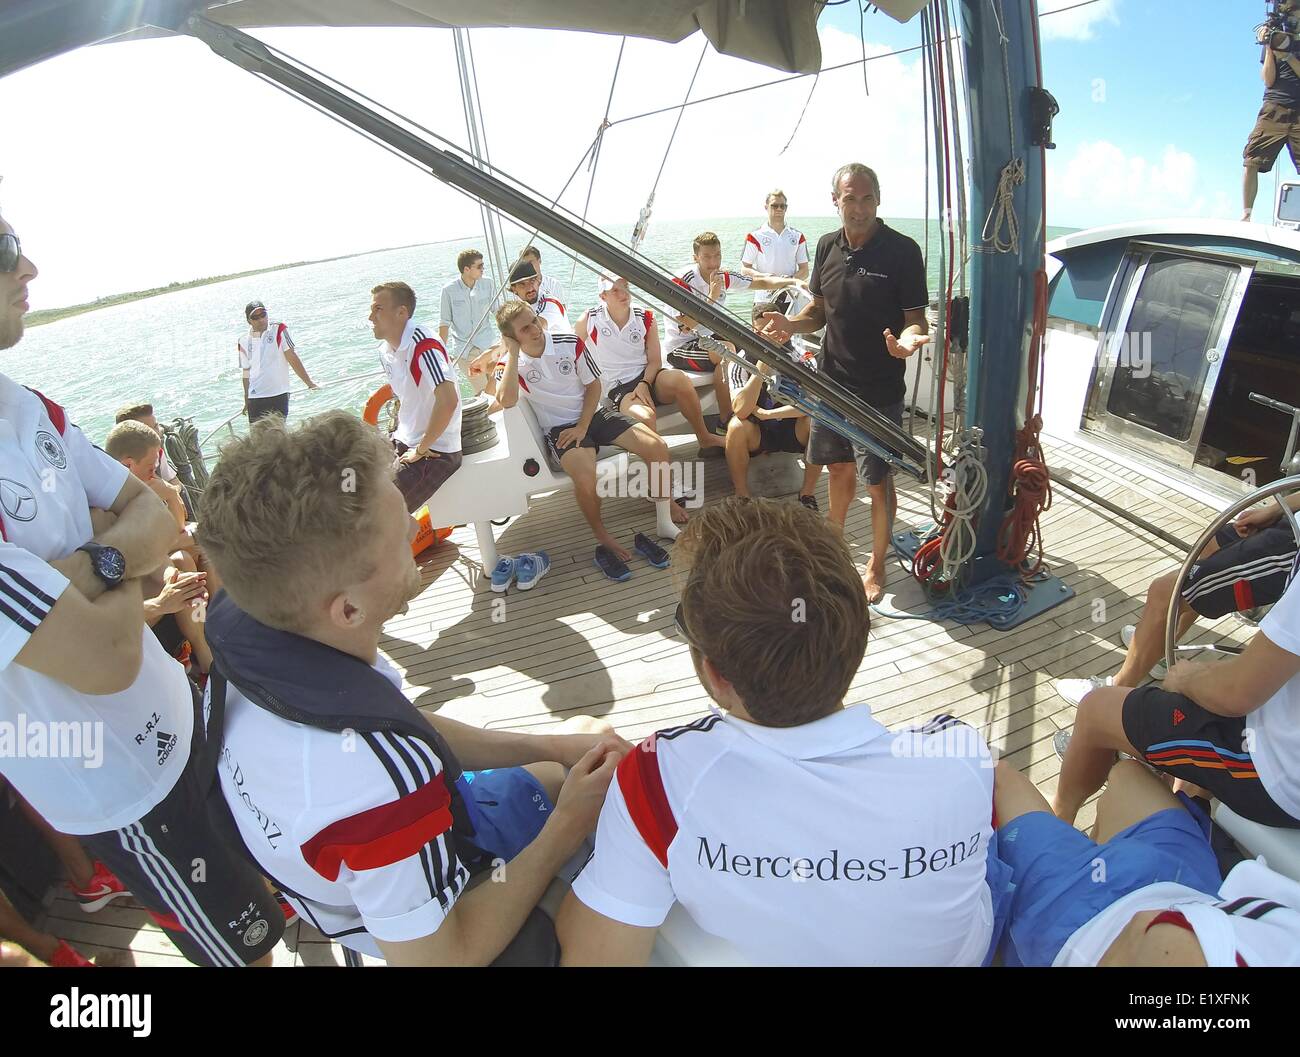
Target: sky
[(136, 164)]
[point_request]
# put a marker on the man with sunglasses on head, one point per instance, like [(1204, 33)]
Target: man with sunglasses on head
[(869, 292), (266, 353), (75, 651)]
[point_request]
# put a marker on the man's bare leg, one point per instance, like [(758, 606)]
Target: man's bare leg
[(884, 505), (672, 386), (69, 850), (841, 489), (580, 464), (1249, 189), (1014, 795), (638, 411), (1098, 735), (13, 926), (1132, 794), (743, 439), (645, 442)]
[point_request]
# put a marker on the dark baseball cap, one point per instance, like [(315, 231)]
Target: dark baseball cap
[(521, 271), (252, 307)]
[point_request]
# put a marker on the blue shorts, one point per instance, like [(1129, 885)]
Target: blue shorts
[(1060, 884), (508, 808)]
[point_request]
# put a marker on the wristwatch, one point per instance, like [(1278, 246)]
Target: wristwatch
[(107, 562)]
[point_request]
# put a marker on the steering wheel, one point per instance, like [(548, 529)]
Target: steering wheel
[(1274, 491)]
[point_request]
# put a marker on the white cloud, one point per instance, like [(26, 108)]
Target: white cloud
[(1078, 23), (1100, 183)]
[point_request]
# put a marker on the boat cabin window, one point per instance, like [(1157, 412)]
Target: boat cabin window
[(1162, 365), (1263, 356)]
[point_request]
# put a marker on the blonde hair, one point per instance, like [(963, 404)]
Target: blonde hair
[(507, 313), (130, 439), (793, 629), (284, 509), (705, 238), (772, 194)]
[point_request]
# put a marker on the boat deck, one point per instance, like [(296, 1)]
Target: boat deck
[(579, 644)]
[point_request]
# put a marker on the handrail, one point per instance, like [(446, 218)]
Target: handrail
[(228, 423)]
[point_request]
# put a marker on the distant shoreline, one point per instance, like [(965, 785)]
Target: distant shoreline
[(53, 315)]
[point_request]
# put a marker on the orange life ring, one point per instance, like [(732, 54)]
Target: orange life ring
[(377, 400), (426, 536)]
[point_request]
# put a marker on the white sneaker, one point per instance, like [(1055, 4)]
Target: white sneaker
[(1074, 690), (1126, 633)]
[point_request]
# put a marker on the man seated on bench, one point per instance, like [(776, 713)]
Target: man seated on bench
[(760, 425), (707, 278), (526, 283), (561, 383), (1231, 728), (798, 829), (1144, 890), (1246, 566), (625, 342), (340, 789)]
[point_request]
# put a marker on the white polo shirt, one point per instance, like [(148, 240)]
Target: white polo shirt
[(1274, 729), (554, 382), (87, 763), (551, 288), (415, 369), (832, 843), (262, 356), (774, 253), (620, 351), (356, 824), (690, 278), (1253, 920), (553, 311)]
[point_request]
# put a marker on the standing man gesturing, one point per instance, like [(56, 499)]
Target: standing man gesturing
[(265, 355), (869, 292)]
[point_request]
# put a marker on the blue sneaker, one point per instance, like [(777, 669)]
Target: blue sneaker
[(503, 575), (529, 568)]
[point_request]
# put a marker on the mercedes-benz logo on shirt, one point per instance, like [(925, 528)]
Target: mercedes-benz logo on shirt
[(534, 375), (605, 331), (51, 450), (17, 499)]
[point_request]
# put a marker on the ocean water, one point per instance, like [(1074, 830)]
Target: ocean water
[(178, 350)]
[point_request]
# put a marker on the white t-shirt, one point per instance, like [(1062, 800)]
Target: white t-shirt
[(774, 253), (832, 843), (553, 311), (262, 356), (551, 288), (554, 382), (674, 336), (415, 369), (1253, 920), (87, 763), (619, 351), (356, 824), (1274, 729)]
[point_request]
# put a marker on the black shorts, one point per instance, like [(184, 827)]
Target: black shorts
[(621, 390), (261, 406), (1276, 125), (826, 447), (214, 903), (1244, 573), (1177, 736), (606, 427), (420, 479), (779, 435)]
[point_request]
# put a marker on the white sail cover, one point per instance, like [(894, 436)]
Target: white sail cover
[(779, 33)]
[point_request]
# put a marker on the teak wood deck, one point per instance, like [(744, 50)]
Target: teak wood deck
[(579, 644)]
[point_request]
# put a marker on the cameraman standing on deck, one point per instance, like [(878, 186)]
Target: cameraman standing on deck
[(1279, 116)]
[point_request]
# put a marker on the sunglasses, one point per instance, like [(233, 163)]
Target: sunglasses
[(259, 314), (11, 252), (778, 205)]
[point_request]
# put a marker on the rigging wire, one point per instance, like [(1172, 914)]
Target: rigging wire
[(795, 131), (643, 221), (599, 141), (862, 36)]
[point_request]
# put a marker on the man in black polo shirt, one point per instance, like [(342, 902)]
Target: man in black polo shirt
[(1278, 122), (869, 292)]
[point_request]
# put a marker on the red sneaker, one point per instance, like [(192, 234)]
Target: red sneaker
[(66, 958), (102, 889)]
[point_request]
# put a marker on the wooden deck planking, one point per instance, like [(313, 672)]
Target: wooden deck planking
[(581, 644)]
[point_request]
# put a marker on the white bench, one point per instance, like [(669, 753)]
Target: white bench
[(1279, 847)]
